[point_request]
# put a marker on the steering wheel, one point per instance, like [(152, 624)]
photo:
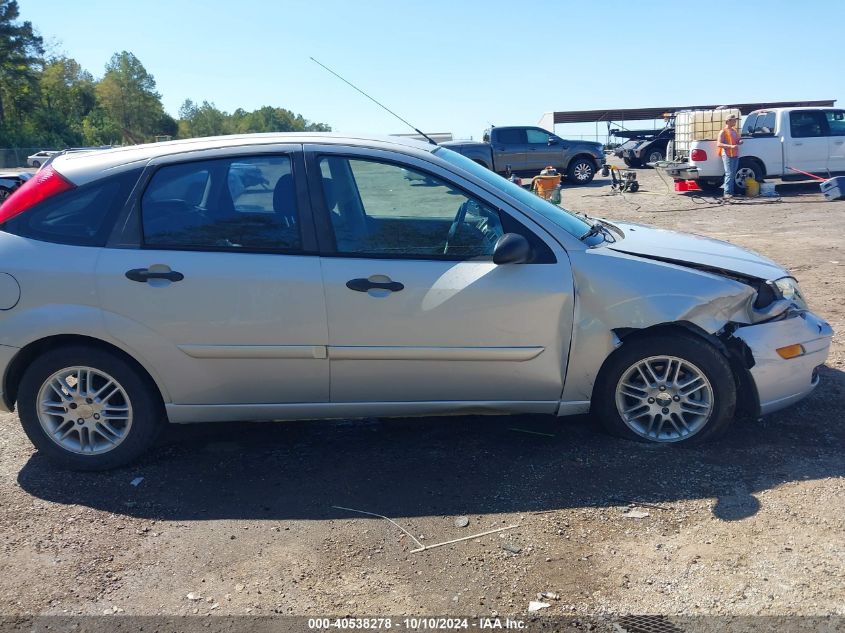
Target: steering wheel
[(460, 216)]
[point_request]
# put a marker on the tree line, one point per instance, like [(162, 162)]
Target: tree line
[(50, 101)]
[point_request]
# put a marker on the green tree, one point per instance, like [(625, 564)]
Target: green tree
[(20, 52), (67, 93), (127, 94)]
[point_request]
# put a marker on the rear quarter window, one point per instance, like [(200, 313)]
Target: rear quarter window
[(83, 216)]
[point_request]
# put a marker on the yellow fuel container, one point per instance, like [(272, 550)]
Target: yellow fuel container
[(752, 187)]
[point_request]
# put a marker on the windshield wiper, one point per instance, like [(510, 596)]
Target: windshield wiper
[(596, 228)]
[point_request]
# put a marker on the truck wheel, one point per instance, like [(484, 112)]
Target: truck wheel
[(581, 171), (654, 155), (748, 168), (4, 193), (36, 164)]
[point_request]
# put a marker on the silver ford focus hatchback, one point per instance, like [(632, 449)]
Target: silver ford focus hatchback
[(285, 277)]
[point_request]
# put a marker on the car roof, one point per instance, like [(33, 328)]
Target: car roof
[(83, 167)]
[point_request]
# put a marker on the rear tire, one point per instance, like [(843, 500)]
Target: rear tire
[(747, 168), (654, 155), (110, 431), (695, 403)]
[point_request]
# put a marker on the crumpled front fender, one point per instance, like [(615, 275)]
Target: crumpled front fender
[(615, 291)]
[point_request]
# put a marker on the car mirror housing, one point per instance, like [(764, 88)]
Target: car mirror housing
[(552, 141), (511, 248)]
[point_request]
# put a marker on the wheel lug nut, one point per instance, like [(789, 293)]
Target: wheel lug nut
[(72, 405), (80, 421), (96, 416), (651, 400), (665, 410), (88, 400), (677, 398), (662, 388)]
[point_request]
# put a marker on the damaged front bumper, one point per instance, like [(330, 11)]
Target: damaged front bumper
[(781, 382)]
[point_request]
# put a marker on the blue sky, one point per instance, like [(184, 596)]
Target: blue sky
[(459, 65)]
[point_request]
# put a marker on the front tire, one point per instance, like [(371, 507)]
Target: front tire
[(654, 155), (668, 388), (88, 409), (581, 171)]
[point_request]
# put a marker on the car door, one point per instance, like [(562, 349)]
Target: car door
[(509, 149), (540, 153), (214, 278), (836, 140), (807, 148), (417, 310)]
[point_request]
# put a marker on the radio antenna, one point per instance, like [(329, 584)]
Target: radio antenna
[(384, 107)]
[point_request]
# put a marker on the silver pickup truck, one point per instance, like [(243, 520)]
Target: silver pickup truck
[(524, 151)]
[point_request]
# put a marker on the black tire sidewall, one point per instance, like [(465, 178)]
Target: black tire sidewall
[(146, 407), (570, 172), (694, 349)]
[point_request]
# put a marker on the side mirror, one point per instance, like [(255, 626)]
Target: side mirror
[(552, 141), (511, 248)]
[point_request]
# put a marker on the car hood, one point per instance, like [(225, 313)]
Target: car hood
[(697, 251)]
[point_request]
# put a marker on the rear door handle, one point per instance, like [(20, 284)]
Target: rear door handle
[(145, 274), (363, 285)]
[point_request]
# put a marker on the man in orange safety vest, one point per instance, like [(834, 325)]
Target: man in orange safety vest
[(728, 148)]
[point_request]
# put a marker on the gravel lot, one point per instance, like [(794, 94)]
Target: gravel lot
[(242, 517)]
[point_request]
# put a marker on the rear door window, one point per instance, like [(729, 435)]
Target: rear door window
[(762, 124), (83, 216), (238, 204), (512, 136)]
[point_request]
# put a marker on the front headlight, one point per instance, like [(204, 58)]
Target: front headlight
[(787, 288)]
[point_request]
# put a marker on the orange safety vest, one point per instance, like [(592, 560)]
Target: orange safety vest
[(731, 137)]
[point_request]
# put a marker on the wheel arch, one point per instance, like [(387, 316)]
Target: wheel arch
[(589, 157), (27, 354), (735, 351), (755, 160)]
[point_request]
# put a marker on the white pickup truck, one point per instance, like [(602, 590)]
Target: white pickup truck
[(809, 139)]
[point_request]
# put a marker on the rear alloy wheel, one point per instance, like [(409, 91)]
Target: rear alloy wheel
[(747, 169), (4, 193), (87, 409), (581, 171), (36, 164), (668, 389)]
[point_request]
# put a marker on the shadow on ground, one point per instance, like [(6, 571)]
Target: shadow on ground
[(451, 466)]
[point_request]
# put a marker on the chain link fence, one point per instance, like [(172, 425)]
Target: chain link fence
[(16, 156)]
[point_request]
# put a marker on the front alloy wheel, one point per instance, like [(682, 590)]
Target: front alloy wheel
[(581, 171), (664, 398), (668, 387)]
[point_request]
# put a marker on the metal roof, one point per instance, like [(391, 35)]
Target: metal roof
[(643, 114)]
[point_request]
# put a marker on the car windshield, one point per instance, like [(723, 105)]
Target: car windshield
[(567, 220)]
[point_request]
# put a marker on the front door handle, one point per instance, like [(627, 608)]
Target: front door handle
[(363, 285), (145, 274)]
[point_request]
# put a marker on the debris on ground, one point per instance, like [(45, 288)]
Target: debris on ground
[(422, 548), (136, 482), (636, 514), (535, 605), (510, 547), (194, 596), (462, 522), (548, 595)]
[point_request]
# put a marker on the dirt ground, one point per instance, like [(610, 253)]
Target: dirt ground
[(247, 518)]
